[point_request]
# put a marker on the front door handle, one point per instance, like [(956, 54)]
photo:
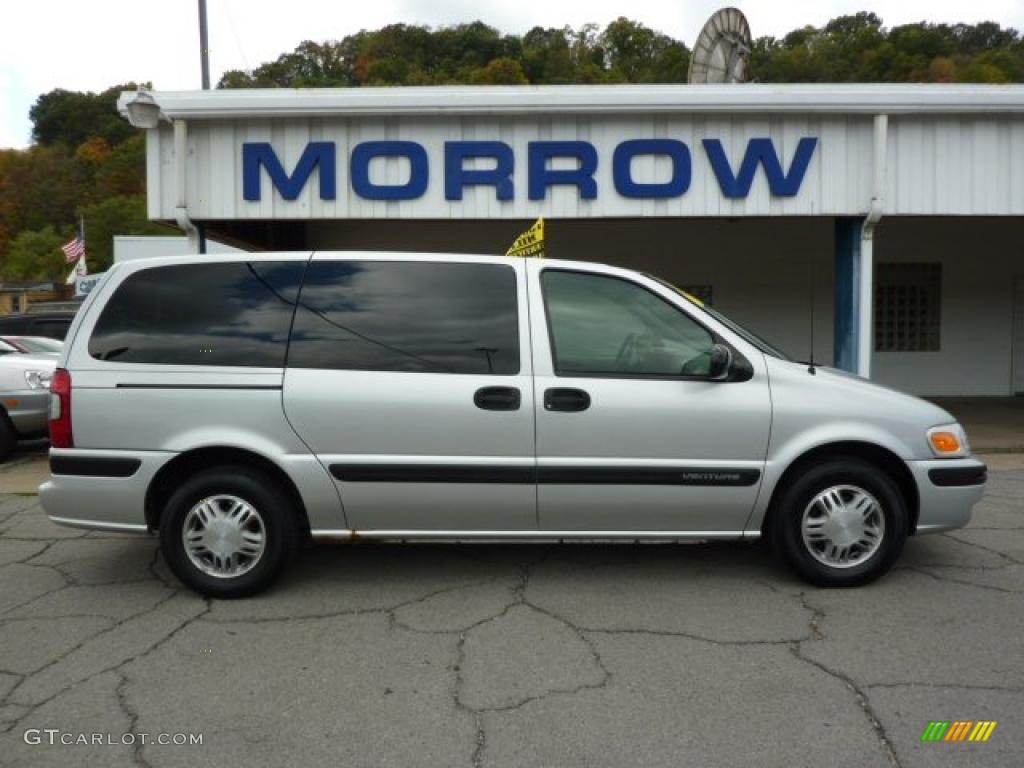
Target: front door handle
[(497, 398), (566, 399)]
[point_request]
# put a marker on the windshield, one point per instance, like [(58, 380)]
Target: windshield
[(732, 325)]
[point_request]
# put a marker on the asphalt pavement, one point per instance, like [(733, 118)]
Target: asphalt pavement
[(512, 655)]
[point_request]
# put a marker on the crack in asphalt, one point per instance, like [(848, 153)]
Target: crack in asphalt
[(133, 720), (41, 595), (479, 713), (942, 686), (61, 657), (476, 757), (1003, 555), (962, 582), (796, 649), (376, 610)]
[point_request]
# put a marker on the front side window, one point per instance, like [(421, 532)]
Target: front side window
[(230, 313), (606, 326), (407, 316)]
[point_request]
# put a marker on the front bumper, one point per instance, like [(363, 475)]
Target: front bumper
[(102, 489), (948, 489), (29, 411)]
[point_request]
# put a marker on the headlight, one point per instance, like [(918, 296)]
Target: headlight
[(38, 379), (948, 441)]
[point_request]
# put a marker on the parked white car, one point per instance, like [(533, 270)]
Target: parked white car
[(24, 396), (41, 345)]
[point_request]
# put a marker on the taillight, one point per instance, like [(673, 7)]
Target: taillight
[(60, 410)]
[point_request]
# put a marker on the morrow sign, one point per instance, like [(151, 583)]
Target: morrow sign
[(734, 175)]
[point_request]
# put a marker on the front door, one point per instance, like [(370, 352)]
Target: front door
[(631, 432), (411, 382)]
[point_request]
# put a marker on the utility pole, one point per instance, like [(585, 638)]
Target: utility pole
[(204, 59), (204, 45)]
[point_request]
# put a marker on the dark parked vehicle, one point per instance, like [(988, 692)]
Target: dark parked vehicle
[(51, 324)]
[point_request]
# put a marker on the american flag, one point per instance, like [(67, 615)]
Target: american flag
[(74, 249)]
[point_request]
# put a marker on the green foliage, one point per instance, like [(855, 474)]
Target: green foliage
[(853, 48), (475, 53), (70, 117), (36, 255), (858, 49), (120, 215)]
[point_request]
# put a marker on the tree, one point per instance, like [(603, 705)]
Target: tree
[(70, 117), (120, 215), (123, 170), (546, 55), (36, 255), (501, 71), (637, 54), (857, 48)]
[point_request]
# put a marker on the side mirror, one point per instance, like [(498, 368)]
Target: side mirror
[(720, 364)]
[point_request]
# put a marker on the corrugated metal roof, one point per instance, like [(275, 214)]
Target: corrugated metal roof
[(836, 98)]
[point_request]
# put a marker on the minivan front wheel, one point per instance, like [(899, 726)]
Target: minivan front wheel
[(227, 532), (841, 523)]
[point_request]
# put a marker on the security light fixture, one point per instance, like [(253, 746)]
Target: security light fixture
[(143, 111)]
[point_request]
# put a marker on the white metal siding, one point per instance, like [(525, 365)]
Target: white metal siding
[(955, 165), (837, 180)]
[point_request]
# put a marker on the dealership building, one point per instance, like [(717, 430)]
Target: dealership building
[(879, 226)]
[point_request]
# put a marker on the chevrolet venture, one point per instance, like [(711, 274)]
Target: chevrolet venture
[(239, 403)]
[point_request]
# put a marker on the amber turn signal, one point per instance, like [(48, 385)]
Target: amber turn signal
[(945, 442)]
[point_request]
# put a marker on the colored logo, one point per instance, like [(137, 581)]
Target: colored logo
[(735, 175), (958, 730)]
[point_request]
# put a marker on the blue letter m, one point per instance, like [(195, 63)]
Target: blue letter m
[(256, 155), (760, 152)]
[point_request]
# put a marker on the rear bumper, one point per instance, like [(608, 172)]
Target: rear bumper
[(105, 490), (948, 490), (29, 411)]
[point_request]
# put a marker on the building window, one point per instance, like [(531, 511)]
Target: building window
[(908, 307)]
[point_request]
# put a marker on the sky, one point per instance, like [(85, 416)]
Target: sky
[(91, 45)]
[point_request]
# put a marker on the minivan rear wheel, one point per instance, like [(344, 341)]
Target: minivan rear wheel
[(841, 523), (227, 532)]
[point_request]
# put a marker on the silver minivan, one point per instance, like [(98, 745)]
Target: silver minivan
[(237, 404)]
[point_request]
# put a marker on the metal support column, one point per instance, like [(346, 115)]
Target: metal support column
[(847, 302)]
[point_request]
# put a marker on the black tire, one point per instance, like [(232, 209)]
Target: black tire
[(8, 437), (797, 497), (273, 508)]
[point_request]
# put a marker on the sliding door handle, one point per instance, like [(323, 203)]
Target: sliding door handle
[(497, 398)]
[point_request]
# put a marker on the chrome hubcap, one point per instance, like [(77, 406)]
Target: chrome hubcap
[(224, 536), (843, 526)]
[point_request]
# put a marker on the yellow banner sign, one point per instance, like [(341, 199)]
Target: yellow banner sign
[(530, 243)]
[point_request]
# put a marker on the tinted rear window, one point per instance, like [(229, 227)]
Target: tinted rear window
[(234, 314), (407, 316)]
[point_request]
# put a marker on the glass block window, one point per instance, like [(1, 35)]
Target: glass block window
[(908, 307)]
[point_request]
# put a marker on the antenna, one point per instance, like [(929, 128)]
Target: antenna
[(721, 51), (810, 363)]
